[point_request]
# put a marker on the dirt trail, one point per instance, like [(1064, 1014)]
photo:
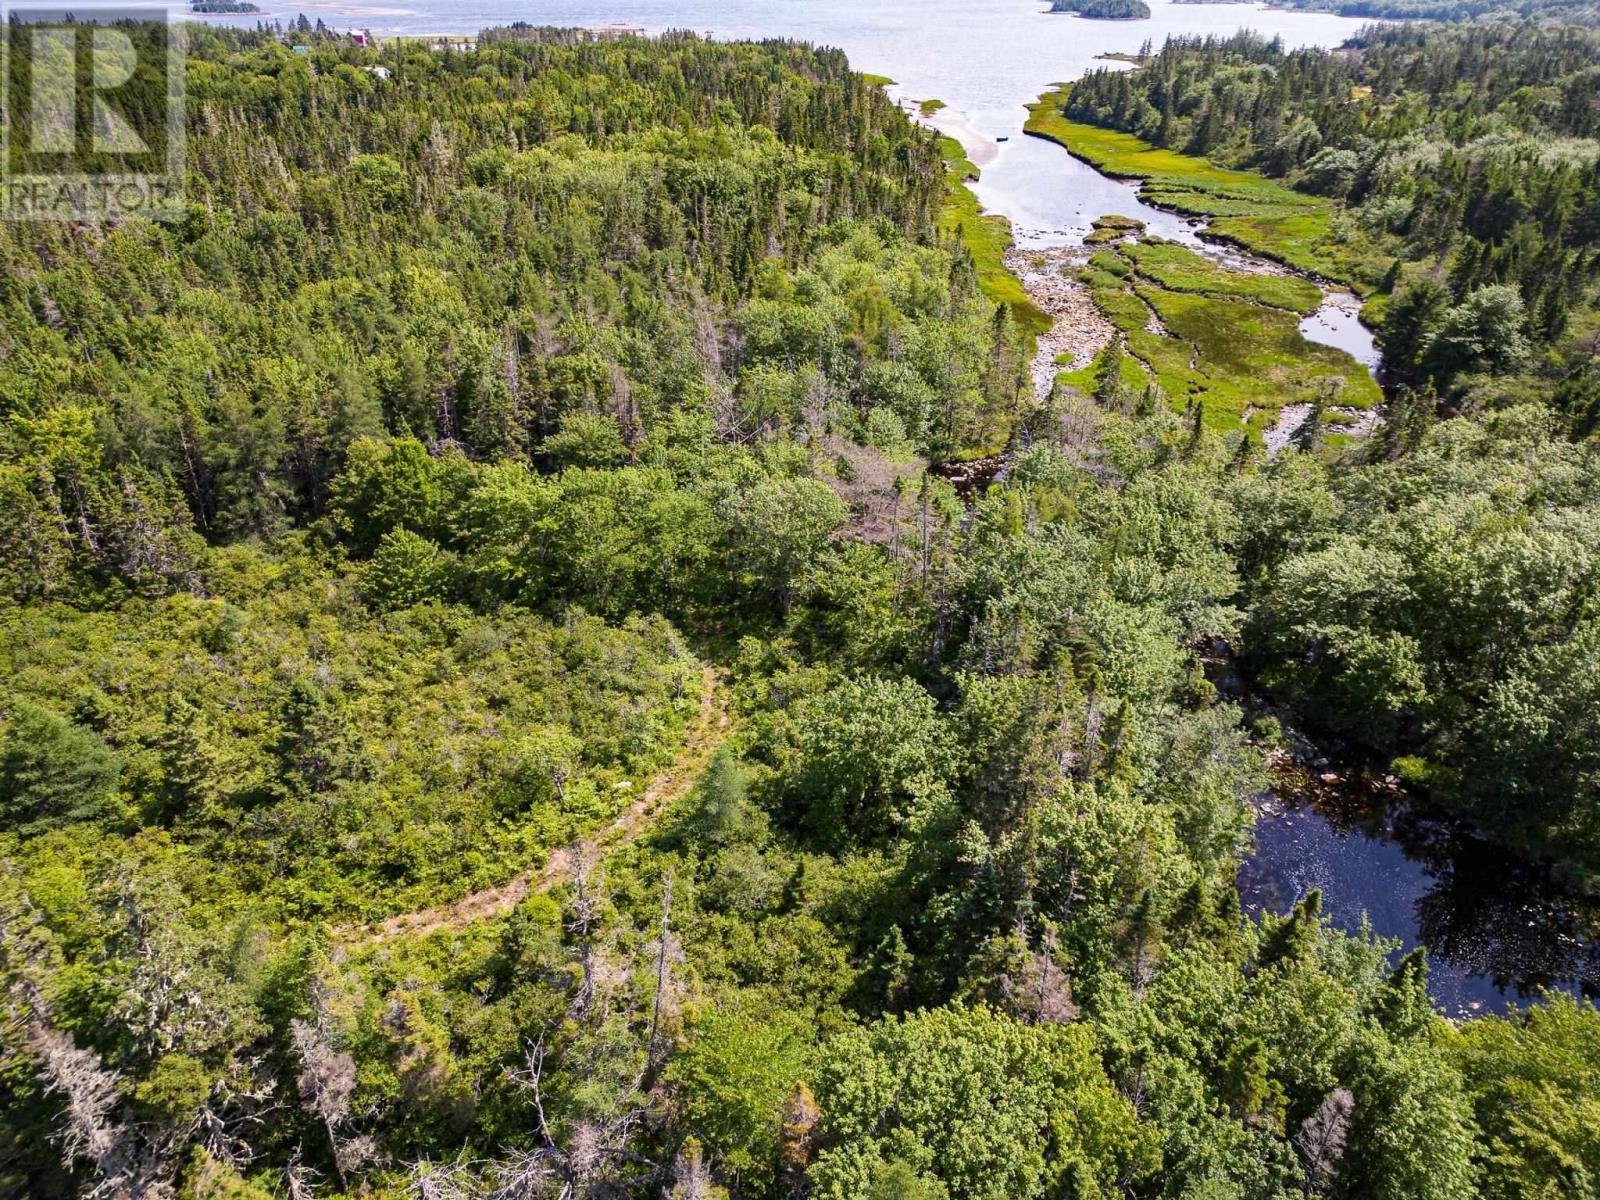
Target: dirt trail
[(711, 727)]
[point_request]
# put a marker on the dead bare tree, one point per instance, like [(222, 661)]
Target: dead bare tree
[(691, 1178), (582, 926), (444, 1181), (242, 1102), (1040, 992), (589, 1161), (327, 1080), (129, 1161), (1321, 1141), (299, 1179), (667, 951), (91, 1095)]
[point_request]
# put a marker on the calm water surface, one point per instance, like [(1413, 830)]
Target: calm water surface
[(985, 58), (1496, 932), (1338, 323)]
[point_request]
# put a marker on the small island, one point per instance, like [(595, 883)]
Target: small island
[(1104, 10), (1113, 228), (223, 7)]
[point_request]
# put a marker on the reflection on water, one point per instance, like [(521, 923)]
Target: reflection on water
[(1338, 323), (1052, 199), (1497, 931)]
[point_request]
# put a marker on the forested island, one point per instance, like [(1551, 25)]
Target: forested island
[(503, 698), (1439, 10), (1104, 10)]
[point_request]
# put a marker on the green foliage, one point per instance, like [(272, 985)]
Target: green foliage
[(52, 771), (1412, 1133), (390, 486), (363, 817), (869, 758), (1542, 1065), (218, 377), (1105, 10), (208, 1179), (586, 441), (780, 526), (985, 1105), (736, 1075), (1485, 332), (337, 761), (407, 569)]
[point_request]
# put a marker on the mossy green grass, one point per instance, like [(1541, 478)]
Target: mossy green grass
[(1253, 357), (1180, 269), (1135, 376), (1119, 306), (1113, 228), (1230, 340), (1111, 263)]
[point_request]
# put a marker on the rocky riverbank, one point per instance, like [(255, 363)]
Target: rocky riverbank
[(1352, 422), (1077, 329)]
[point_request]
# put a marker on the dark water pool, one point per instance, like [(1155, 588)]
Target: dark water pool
[(1498, 931)]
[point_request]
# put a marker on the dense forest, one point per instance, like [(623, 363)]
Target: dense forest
[(1469, 157), (501, 700), (1442, 10)]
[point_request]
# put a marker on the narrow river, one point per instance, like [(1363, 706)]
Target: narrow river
[(1498, 933), (1053, 199), (1495, 931)]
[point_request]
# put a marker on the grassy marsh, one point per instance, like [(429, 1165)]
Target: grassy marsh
[(1229, 339), (1274, 221), (1179, 269), (1086, 379), (1251, 356)]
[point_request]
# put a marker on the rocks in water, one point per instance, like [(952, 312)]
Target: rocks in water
[(972, 477), (1078, 328)]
